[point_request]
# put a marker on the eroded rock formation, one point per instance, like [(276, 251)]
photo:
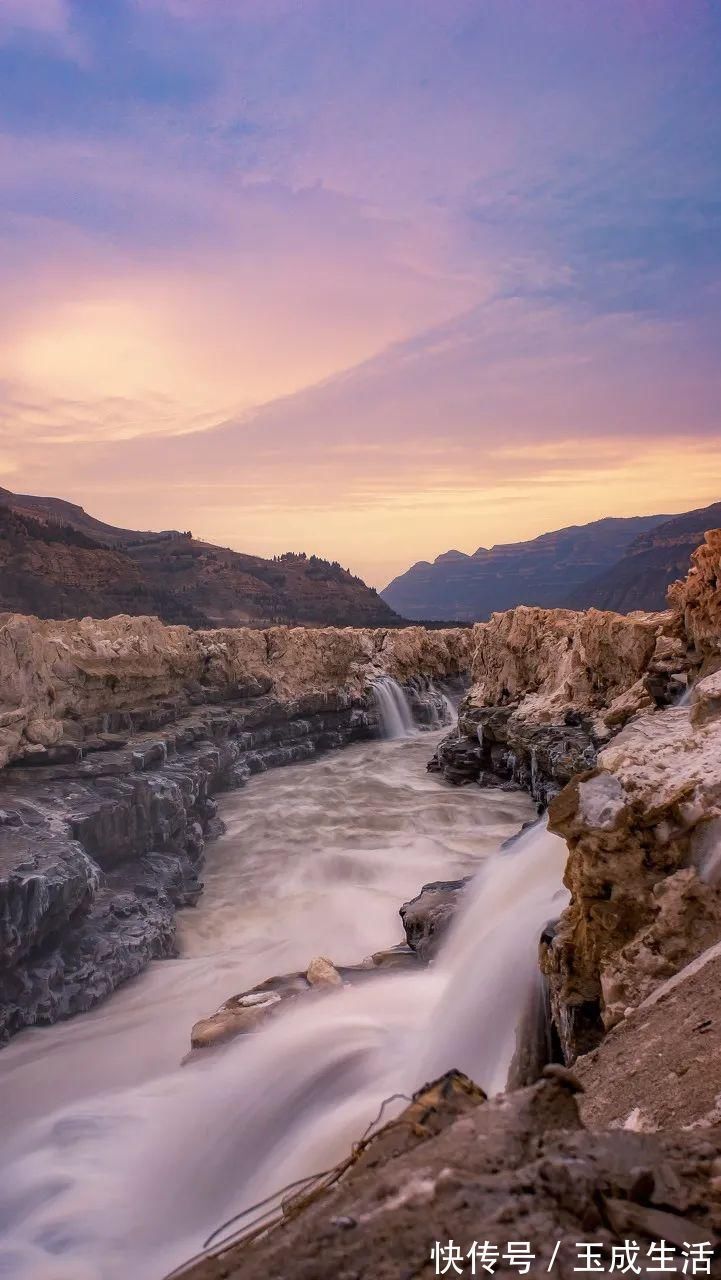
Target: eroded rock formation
[(644, 835), (56, 675), (150, 721), (550, 686), (697, 598), (117, 735), (638, 805)]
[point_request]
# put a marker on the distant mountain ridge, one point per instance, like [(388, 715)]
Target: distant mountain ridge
[(57, 561), (619, 564), (653, 561)]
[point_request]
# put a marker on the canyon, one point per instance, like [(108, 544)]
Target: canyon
[(118, 738)]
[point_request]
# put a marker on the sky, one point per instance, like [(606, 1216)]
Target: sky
[(367, 278)]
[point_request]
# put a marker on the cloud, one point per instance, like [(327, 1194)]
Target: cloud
[(361, 270), (544, 411)]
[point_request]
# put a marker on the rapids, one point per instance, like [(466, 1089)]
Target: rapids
[(117, 1162)]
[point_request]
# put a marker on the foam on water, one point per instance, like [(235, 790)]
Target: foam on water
[(129, 1182)]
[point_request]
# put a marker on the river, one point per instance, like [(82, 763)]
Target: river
[(118, 1161)]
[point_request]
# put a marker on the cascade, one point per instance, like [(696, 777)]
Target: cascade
[(394, 707), (193, 1148)]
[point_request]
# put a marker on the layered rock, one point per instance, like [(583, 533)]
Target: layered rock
[(644, 835), (550, 686), (697, 598), (552, 692), (56, 675), (100, 846), (119, 734)]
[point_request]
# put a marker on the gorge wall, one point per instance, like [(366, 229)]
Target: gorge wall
[(116, 735), (615, 724)]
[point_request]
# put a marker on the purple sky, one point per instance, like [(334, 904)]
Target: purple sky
[(371, 278)]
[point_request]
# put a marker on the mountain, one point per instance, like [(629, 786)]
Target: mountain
[(544, 571), (57, 561), (654, 560)]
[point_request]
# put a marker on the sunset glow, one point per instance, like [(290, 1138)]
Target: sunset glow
[(369, 280)]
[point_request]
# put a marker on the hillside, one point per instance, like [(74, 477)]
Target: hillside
[(543, 571), (57, 561), (655, 559)]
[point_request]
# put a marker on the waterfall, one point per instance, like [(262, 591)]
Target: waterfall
[(686, 696), (489, 965), (451, 713), (131, 1183), (441, 711), (395, 711)]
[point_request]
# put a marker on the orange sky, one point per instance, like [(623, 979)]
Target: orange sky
[(372, 284)]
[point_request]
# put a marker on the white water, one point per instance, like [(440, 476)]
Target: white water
[(686, 696), (396, 715), (117, 1164)]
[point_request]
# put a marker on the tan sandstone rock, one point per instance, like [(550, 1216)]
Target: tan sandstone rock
[(53, 672), (321, 972), (546, 660), (697, 597), (641, 830), (235, 1017)]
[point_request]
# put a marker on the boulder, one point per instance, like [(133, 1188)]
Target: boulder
[(321, 972), (427, 917)]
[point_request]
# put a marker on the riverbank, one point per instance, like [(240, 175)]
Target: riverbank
[(125, 733), (613, 723), (626, 712), (102, 1121)]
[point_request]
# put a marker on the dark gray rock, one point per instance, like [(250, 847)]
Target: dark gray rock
[(103, 836), (45, 879), (491, 745), (426, 917)]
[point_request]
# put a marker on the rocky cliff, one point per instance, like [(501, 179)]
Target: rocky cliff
[(595, 715), (551, 686), (697, 600), (642, 830), (117, 735), (56, 675), (644, 836)]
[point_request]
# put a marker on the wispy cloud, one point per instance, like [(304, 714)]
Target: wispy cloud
[(320, 265)]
